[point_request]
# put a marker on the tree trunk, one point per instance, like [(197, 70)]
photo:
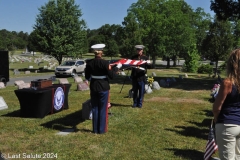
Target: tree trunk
[(168, 62)]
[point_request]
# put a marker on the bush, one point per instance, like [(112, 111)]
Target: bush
[(205, 68)]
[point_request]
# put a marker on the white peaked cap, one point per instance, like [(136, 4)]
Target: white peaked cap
[(139, 46), (98, 46)]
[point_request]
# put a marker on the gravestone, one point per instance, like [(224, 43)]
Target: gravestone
[(83, 74), (30, 67), (86, 109), (2, 85), (154, 74), (27, 72), (3, 104), (16, 83), (185, 75), (130, 93), (36, 71), (82, 86), (63, 81), (148, 89), (16, 72), (78, 79), (155, 85), (24, 85)]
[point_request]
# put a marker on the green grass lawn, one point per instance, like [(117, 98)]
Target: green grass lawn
[(173, 124)]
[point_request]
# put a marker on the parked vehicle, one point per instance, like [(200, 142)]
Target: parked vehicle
[(70, 67)]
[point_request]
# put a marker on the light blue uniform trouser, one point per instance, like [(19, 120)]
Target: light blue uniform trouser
[(228, 141), (99, 102)]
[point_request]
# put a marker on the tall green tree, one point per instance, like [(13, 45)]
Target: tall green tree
[(219, 41), (163, 26), (59, 31), (226, 9)]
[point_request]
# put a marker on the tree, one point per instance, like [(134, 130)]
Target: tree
[(163, 26), (59, 31), (219, 41), (191, 60), (226, 9)]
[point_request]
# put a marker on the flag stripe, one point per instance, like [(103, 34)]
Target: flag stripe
[(130, 62), (211, 148)]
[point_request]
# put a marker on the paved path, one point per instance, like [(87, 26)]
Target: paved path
[(28, 79)]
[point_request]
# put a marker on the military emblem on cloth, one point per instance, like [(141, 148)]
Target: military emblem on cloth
[(59, 98)]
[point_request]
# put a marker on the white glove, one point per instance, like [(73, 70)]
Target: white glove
[(148, 61), (119, 65)]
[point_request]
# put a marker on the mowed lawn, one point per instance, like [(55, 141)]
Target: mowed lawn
[(173, 124)]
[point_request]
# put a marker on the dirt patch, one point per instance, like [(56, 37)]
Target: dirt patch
[(179, 100)]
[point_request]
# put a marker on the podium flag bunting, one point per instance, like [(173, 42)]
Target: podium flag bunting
[(211, 146)]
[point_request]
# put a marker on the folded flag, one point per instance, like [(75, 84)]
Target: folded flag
[(211, 146), (130, 62)]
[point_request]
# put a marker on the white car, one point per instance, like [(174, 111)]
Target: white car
[(70, 67)]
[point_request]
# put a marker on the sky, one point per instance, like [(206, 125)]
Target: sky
[(20, 15)]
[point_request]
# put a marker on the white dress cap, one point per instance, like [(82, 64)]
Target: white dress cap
[(139, 46), (98, 46)]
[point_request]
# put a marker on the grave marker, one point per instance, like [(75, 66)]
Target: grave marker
[(3, 104)]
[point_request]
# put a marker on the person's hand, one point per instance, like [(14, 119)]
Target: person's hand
[(148, 61)]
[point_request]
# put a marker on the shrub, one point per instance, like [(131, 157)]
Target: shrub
[(205, 68)]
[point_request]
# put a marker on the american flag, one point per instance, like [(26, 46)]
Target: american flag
[(130, 62), (211, 146)]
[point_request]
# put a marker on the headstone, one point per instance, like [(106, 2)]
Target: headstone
[(18, 82), (78, 79), (163, 83), (3, 104), (155, 85), (148, 89), (82, 86), (83, 74), (36, 71), (30, 67), (130, 93), (16, 72), (24, 85), (63, 81), (185, 75), (86, 109), (154, 74), (65, 131), (2, 85), (45, 67), (27, 72)]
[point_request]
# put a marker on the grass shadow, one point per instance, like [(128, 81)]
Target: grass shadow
[(64, 122), (13, 114), (187, 153), (190, 131)]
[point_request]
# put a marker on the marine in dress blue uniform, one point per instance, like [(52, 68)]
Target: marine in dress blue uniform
[(138, 77), (98, 70)]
